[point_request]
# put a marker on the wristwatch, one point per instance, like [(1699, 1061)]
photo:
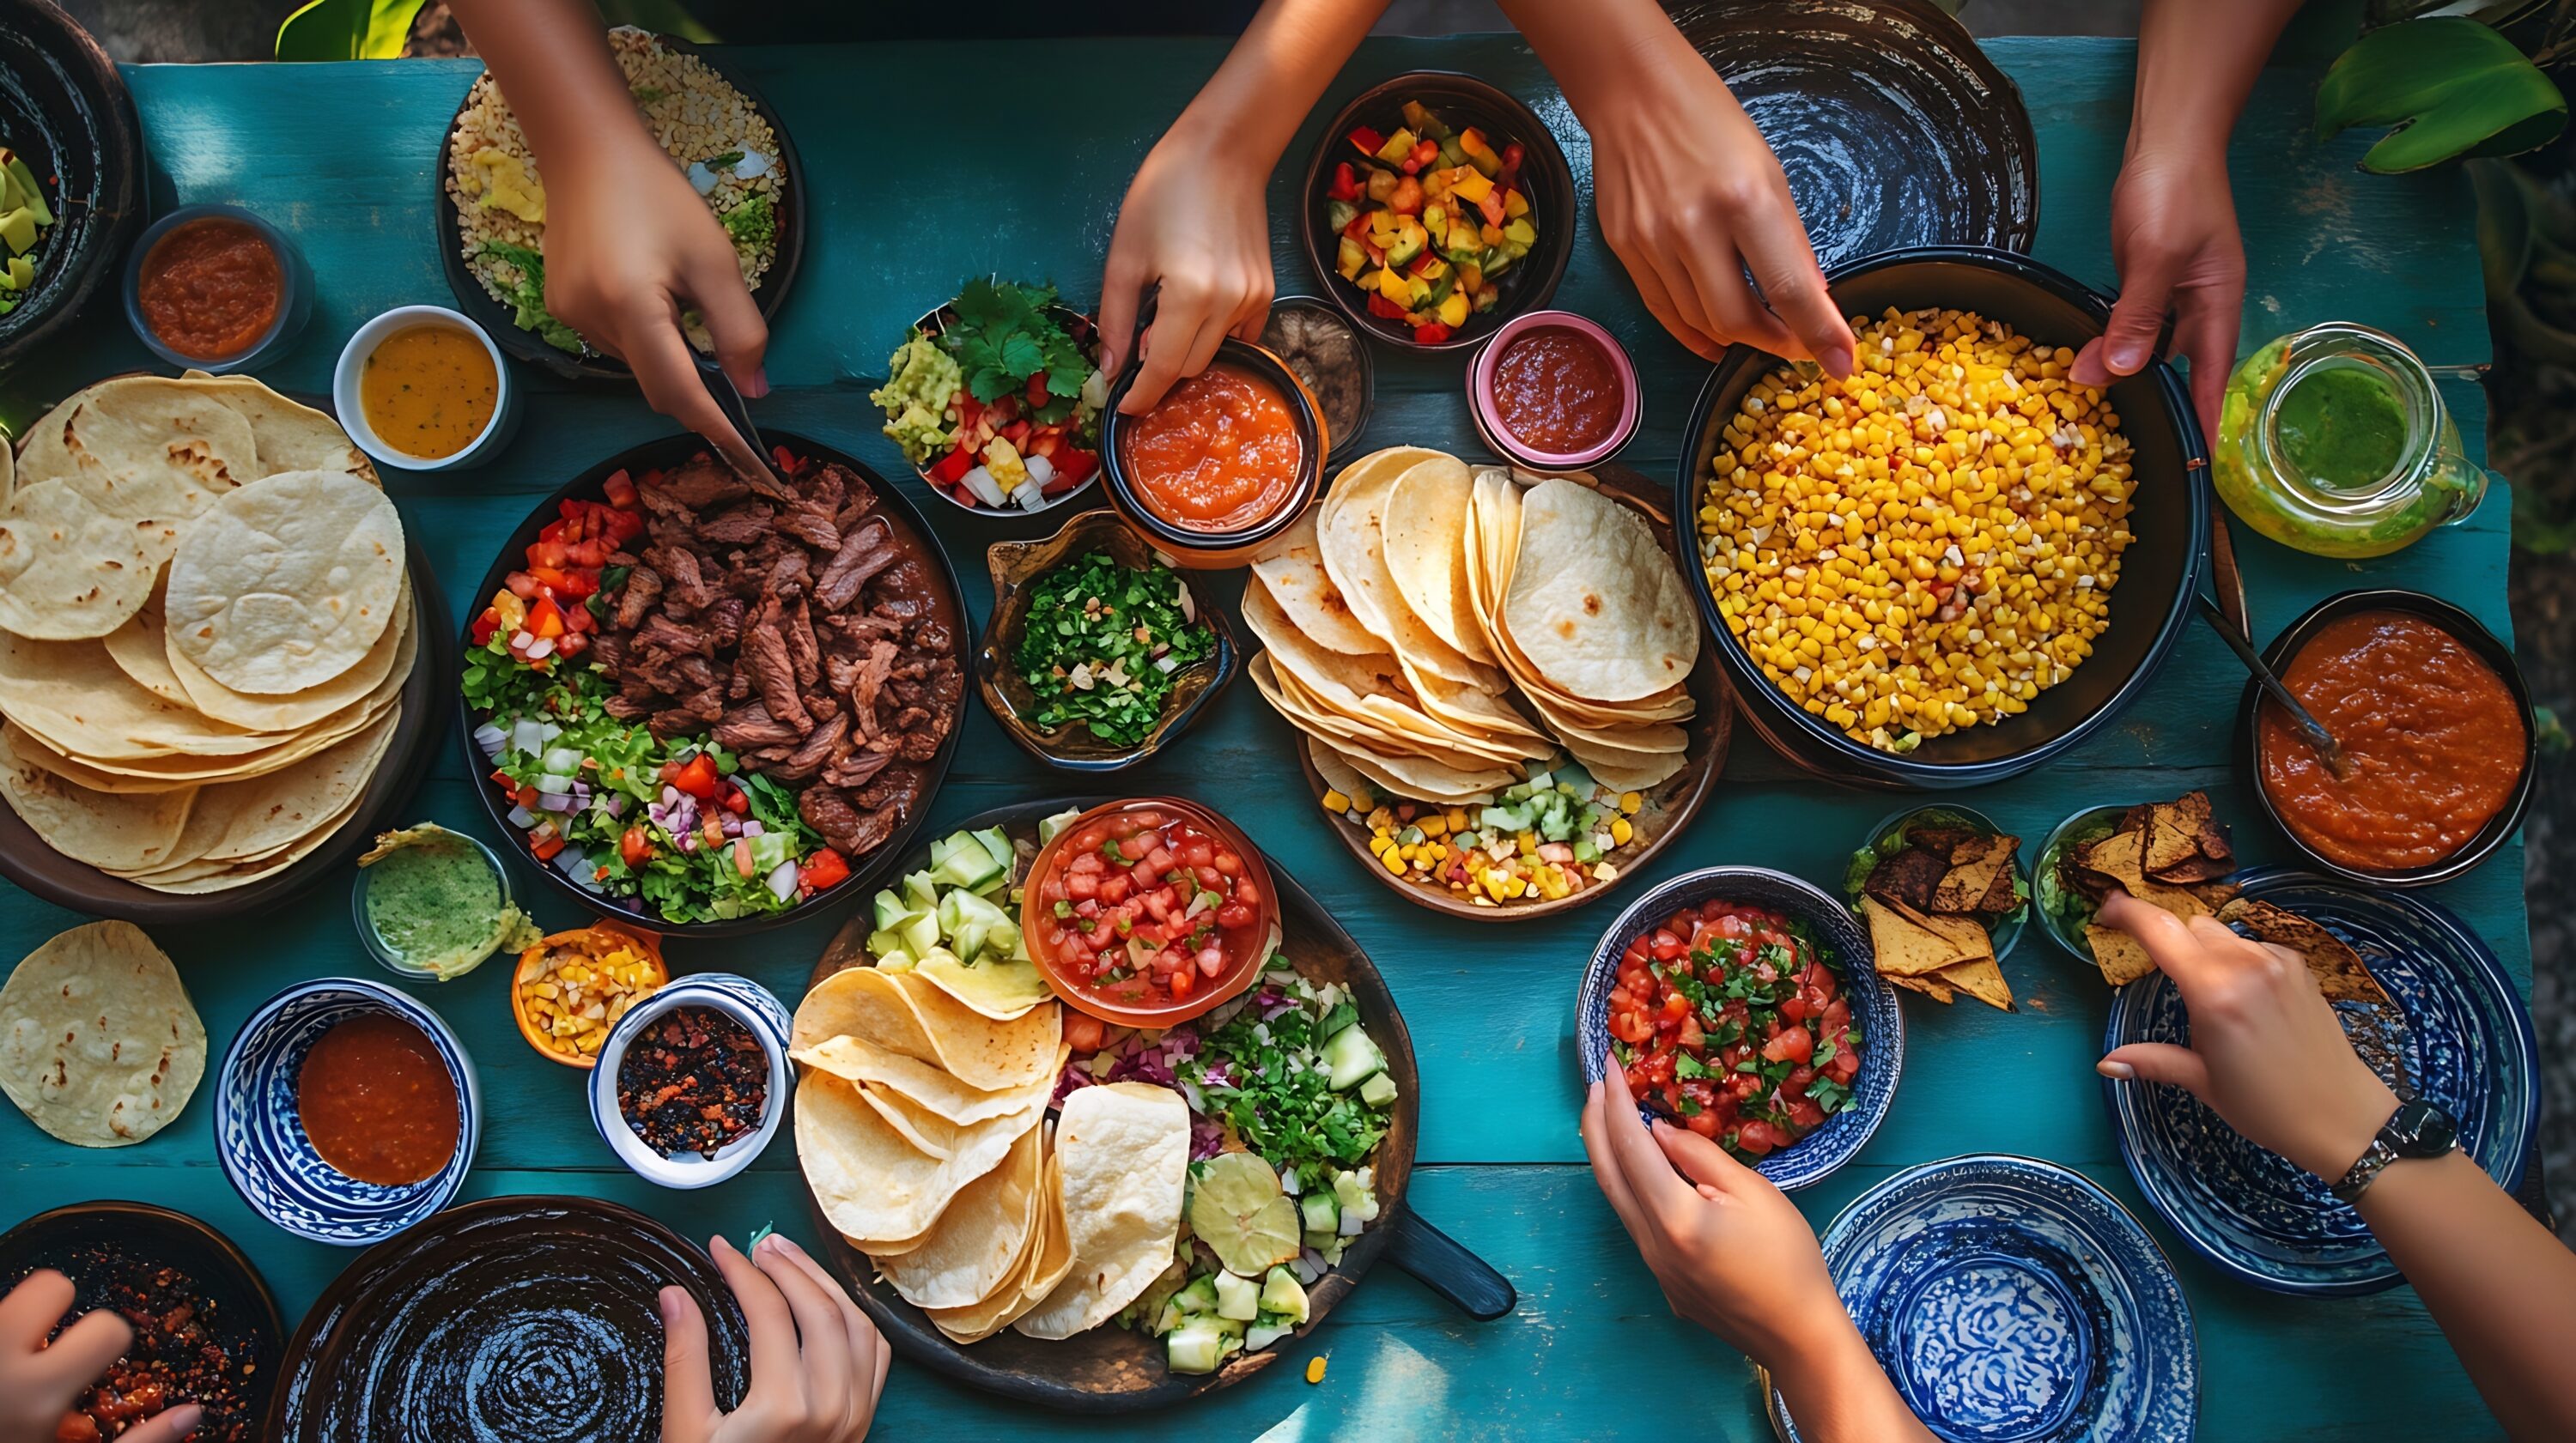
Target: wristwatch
[(2416, 1129)]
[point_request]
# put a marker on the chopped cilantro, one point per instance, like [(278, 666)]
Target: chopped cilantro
[(1093, 644), (1005, 334)]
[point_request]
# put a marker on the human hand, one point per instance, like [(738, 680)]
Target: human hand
[(1690, 198), (824, 1391), (2174, 238), (1732, 1253), (2266, 1052), (1195, 225), (629, 246), (39, 1383)]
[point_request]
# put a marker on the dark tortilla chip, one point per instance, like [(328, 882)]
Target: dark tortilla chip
[(2001, 896), (2198, 869), (1910, 876), (2170, 842), (2341, 974), (1973, 869)]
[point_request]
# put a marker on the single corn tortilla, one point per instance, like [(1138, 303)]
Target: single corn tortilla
[(1292, 571), (1426, 551), (1594, 602), (1350, 533), (967, 1256), (99, 1044), (1125, 1153), (286, 583), (113, 831)]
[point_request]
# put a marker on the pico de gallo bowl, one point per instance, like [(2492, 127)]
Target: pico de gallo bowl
[(1149, 912), (1743, 1005), (995, 398)]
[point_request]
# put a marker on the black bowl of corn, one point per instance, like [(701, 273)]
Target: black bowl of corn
[(1956, 565)]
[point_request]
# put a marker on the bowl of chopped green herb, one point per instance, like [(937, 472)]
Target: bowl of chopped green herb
[(1098, 651)]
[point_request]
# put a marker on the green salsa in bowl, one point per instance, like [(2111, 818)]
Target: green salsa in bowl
[(432, 904)]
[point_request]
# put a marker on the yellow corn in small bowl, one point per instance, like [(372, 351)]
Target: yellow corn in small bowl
[(568, 990)]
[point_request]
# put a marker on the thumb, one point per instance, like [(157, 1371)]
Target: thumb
[(2158, 1062), (2128, 343), (166, 1427), (688, 1391)]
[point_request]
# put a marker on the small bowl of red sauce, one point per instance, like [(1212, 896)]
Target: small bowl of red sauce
[(1224, 463), (2434, 718), (1554, 392), (216, 288), (1149, 912)]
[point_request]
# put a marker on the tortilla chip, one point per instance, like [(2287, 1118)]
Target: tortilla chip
[(854, 1059), (2002, 896), (2183, 902), (1930, 986), (1974, 865), (2341, 974), (2122, 958), (1904, 945), (1966, 936), (2117, 858), (1981, 979), (2169, 843), (1943, 841), (1910, 876), (2197, 870)]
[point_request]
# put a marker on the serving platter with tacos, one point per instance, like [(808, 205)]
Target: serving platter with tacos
[(1086, 1214)]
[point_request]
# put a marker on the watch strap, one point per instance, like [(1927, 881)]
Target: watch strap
[(2364, 1171)]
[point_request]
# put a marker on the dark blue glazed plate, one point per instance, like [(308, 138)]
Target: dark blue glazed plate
[(1882, 1026), (2457, 1036), (2014, 1301)]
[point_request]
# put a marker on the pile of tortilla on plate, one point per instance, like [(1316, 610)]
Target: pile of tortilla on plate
[(1422, 600), (921, 1126), (205, 626), (2170, 855)]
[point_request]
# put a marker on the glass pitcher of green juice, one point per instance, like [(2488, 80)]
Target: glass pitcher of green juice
[(2334, 441)]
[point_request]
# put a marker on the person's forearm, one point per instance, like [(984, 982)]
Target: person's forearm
[(1838, 1394), (551, 60), (2502, 1289), (1275, 74), (2197, 60), (1601, 49)]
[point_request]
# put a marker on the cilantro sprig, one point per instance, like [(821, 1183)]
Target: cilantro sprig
[(1004, 334)]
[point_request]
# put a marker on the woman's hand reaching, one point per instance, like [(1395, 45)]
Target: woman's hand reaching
[(1194, 232), (2174, 238), (818, 1365)]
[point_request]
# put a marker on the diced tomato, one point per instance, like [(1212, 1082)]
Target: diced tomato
[(1084, 1032), (1431, 334), (698, 778), (620, 489), (788, 462), (566, 583), (1346, 183), (545, 842), (1379, 305), (636, 846), (1790, 1044), (484, 626), (735, 800), (953, 467), (1368, 141), (522, 586), (822, 871)]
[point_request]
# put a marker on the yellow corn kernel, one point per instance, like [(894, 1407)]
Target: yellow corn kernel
[(1336, 803), (1315, 1369), (1394, 860), (1621, 832), (1629, 802)]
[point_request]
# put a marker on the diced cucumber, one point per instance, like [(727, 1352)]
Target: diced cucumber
[(1378, 1091), (1355, 1196), (1319, 1211), (920, 893), (1351, 1058), (959, 860), (1199, 1344), (885, 946), (1237, 1298), (921, 932), (1281, 1293), (891, 909), (1198, 1297), (999, 845), (1262, 1335)]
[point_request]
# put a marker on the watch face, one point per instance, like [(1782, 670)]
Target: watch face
[(2421, 1129)]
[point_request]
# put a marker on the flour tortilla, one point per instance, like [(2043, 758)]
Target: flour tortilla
[(105, 829), (906, 1015), (1593, 601), (99, 1044), (869, 1181), (289, 435), (1043, 1263), (928, 1088), (69, 569), (1125, 1153), (309, 707), (1426, 551), (285, 806), (1293, 570), (970, 1253), (1350, 534), (140, 650), (288, 582)]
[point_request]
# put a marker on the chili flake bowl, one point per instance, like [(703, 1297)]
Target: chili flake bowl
[(1813, 1158), (1017, 566), (744, 1001), (260, 1138)]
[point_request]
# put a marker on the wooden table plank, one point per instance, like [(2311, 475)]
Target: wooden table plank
[(907, 201)]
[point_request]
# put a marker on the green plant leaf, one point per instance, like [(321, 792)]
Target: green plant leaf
[(348, 30), (2450, 85)]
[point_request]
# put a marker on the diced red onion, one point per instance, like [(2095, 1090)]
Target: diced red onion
[(1206, 1138), (1352, 1222), (522, 818), (751, 827), (554, 801), (1075, 1075)]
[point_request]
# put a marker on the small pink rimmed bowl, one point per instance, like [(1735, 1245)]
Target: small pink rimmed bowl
[(1509, 446)]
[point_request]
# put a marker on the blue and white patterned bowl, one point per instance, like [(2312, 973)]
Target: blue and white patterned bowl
[(2014, 1301), (260, 1138), (2461, 1039), (739, 998), (1882, 1026)]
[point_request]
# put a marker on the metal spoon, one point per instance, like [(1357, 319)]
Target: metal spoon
[(2317, 737)]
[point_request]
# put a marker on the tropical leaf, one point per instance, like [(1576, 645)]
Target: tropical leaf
[(348, 30), (2451, 86)]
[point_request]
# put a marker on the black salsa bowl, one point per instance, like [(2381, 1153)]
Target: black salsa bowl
[(865, 871), (64, 107), (2159, 572)]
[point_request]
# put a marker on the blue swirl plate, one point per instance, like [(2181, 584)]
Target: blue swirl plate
[(2458, 1036), (1882, 1026), (2014, 1301), (260, 1139)]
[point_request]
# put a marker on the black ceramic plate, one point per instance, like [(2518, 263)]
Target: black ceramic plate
[(244, 1315), (496, 318), (865, 872), (64, 107), (1110, 1369), (512, 1320), (26, 860), (1893, 128)]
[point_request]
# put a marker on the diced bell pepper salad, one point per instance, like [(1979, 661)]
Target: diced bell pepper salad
[(1428, 219)]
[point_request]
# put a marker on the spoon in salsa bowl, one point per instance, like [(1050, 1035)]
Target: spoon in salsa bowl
[(2310, 729)]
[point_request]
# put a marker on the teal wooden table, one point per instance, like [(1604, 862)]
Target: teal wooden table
[(911, 191)]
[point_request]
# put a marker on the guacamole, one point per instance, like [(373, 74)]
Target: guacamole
[(435, 904), (924, 380)]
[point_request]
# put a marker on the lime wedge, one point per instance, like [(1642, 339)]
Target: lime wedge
[(1239, 1211)]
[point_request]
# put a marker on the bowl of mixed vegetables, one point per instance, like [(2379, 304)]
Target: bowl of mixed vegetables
[(1099, 652), (995, 399), (1438, 208)]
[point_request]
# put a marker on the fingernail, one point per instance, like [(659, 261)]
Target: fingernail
[(718, 1242), (2127, 357), (787, 1245), (1837, 362), (665, 1303), (760, 382), (2118, 1071), (185, 1418)]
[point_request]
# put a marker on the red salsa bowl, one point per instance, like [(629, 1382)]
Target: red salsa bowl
[(1553, 391), (1149, 912)]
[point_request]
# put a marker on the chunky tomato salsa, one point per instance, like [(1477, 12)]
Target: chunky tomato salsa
[(1731, 1021), (1145, 908)]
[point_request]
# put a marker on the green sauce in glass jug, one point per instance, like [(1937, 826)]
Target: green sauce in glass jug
[(2334, 441)]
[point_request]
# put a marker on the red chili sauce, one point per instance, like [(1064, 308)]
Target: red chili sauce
[(376, 1100), (1556, 391), (2433, 734), (1217, 454), (211, 288)]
